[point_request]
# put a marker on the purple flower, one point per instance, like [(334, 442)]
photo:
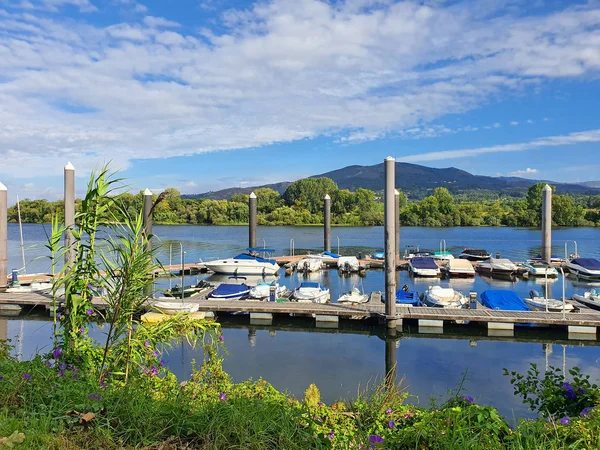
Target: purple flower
[(49, 363), (321, 404), (586, 411), (565, 420), (330, 435), (58, 316), (154, 370), (26, 376), (62, 366), (468, 399), (375, 439), (581, 391), (391, 424), (94, 396), (570, 394), (56, 353), (90, 286), (388, 411), (1, 378), (155, 354), (147, 343), (82, 330), (223, 397), (567, 386), (89, 311), (221, 338), (407, 416)]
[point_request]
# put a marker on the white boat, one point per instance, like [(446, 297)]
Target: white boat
[(474, 254), (32, 287), (423, 267), (308, 265), (587, 268), (497, 267), (245, 264), (537, 268), (538, 302), (354, 296), (441, 297), (324, 255), (590, 299), (173, 308), (310, 291), (459, 268), (348, 264), (263, 290)]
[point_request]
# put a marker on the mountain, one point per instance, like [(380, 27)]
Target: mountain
[(416, 181), (591, 184)]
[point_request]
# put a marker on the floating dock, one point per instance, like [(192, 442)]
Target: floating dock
[(583, 322)]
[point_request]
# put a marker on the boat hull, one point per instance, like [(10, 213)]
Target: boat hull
[(582, 272), (242, 268), (588, 301)]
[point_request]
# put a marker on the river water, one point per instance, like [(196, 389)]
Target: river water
[(293, 354)]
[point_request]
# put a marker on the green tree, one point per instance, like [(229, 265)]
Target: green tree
[(309, 193)]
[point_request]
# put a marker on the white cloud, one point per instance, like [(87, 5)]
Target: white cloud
[(524, 173), (529, 121), (514, 123), (551, 141), (278, 71)]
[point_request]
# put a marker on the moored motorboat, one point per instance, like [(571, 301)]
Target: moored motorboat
[(423, 267), (201, 288), (354, 296), (348, 264), (311, 291), (459, 268), (173, 308), (590, 299), (263, 290), (502, 300), (34, 286), (474, 254), (440, 297), (538, 302), (379, 255), (246, 263), (443, 255), (230, 291), (308, 265), (497, 267), (587, 268), (538, 268), (406, 297)]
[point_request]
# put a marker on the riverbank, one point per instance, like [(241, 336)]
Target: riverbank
[(54, 405)]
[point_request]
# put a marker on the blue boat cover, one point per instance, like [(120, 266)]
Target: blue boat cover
[(407, 298), (310, 284), (588, 263), (424, 263), (256, 258), (331, 255), (503, 300), (229, 289)]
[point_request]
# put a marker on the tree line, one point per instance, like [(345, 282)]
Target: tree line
[(302, 204)]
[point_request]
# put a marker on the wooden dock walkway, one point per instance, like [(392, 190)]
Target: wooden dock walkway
[(584, 321)]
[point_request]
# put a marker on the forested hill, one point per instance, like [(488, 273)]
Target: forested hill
[(416, 182)]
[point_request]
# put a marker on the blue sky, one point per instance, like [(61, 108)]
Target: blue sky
[(208, 94)]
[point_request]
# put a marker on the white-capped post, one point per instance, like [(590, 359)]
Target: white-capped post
[(547, 223), (148, 215), (397, 222), (3, 236), (69, 174), (252, 206), (390, 241), (327, 223)]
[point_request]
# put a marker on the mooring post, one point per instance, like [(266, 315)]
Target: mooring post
[(397, 217), (69, 212), (547, 223), (252, 222), (327, 223), (148, 216), (3, 236), (390, 242)]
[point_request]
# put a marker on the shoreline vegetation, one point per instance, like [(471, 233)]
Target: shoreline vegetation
[(302, 205), (114, 392)]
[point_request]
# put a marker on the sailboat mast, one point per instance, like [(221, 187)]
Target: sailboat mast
[(21, 233)]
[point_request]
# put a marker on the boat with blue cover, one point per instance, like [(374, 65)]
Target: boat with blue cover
[(423, 267), (379, 255), (311, 291), (587, 268), (230, 291), (406, 297), (502, 300), (246, 263)]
